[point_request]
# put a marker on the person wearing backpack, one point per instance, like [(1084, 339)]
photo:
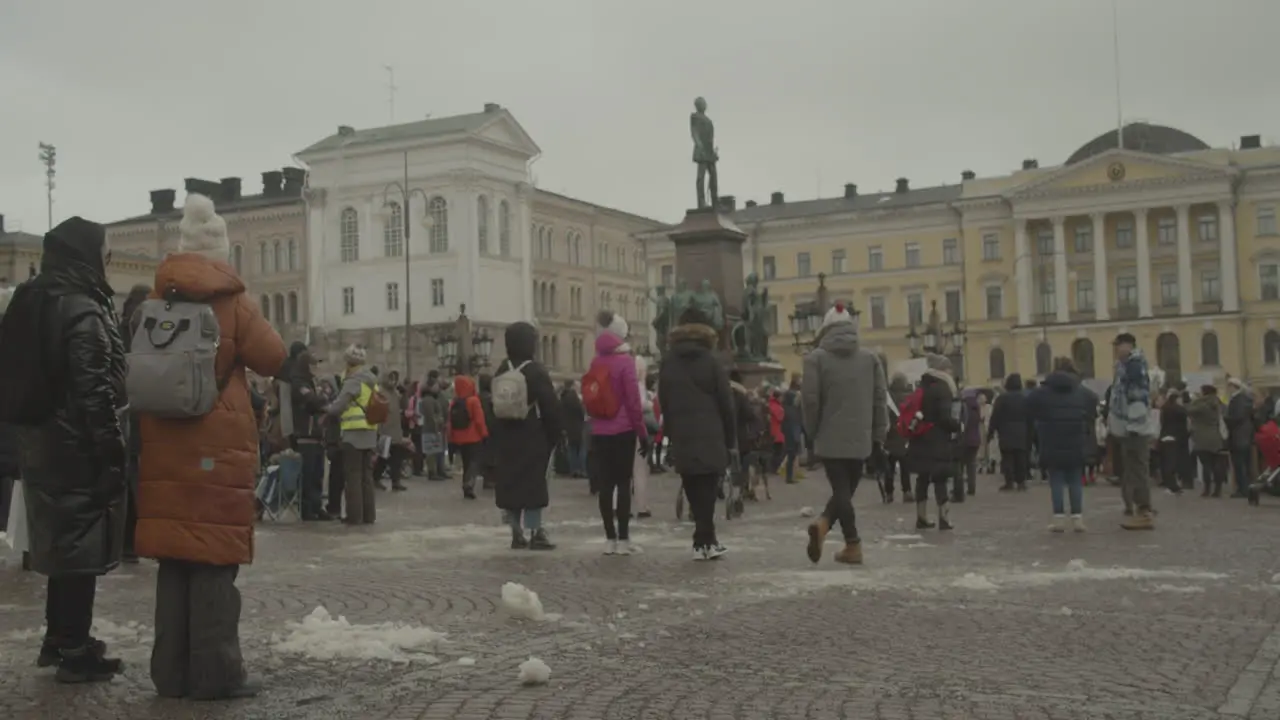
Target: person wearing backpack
[(1010, 421), (467, 430), (63, 366), (358, 417), (931, 449), (527, 425), (198, 468), (611, 396)]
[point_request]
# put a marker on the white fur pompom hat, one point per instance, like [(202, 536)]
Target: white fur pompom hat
[(837, 315), (202, 230), (614, 323)]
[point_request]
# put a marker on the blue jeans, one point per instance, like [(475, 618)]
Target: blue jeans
[(532, 519), (1069, 479)]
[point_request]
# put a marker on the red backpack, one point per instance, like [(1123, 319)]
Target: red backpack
[(598, 397), (907, 416)]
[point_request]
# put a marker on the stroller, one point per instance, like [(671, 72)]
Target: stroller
[(1268, 441)]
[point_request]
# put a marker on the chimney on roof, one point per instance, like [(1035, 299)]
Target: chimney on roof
[(208, 188), (1030, 164), (903, 186), (162, 201), (346, 130), (728, 203), (1250, 142), (294, 179), (968, 175), (776, 199), (272, 182), (751, 203), (230, 188), (492, 107), (850, 191)]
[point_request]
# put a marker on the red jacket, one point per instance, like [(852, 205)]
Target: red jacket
[(464, 391), (776, 414)]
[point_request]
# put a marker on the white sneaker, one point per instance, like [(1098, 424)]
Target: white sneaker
[(1059, 524), (715, 551), (1077, 523), (611, 547), (700, 554), (624, 547)]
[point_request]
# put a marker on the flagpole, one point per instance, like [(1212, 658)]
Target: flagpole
[(1115, 39)]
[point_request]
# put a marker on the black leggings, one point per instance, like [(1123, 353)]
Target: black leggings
[(614, 462), (939, 483), (889, 466)]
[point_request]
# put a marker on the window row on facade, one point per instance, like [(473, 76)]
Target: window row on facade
[(548, 352), (392, 296), (546, 301), (280, 309), (275, 256), (572, 250)]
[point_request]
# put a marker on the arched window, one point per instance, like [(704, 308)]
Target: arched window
[(277, 255), (279, 308), (265, 303), (237, 258), (551, 307), (577, 249), (293, 254), (555, 350), (1044, 358), (1082, 356), (1169, 357), (482, 224), (349, 236), (996, 361), (438, 209), (568, 246), (393, 230), (1271, 348), (1209, 350), (264, 258), (543, 301), (504, 229), (537, 306), (293, 307)]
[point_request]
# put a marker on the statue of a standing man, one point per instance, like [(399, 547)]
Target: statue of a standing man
[(704, 153)]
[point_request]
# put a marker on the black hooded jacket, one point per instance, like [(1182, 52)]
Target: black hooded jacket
[(524, 447), (1009, 417), (698, 408), (74, 462), (1063, 411)]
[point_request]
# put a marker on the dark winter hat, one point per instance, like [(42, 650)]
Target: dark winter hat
[(1125, 338)]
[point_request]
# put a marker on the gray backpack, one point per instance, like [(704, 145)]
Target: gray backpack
[(171, 362)]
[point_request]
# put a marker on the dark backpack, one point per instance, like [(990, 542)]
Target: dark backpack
[(459, 414), (25, 380)]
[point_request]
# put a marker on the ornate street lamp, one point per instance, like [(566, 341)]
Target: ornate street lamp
[(936, 339), (460, 349), (807, 319)]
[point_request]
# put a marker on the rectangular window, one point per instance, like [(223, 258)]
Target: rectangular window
[(995, 302), (878, 319), (348, 300), (991, 246), (1127, 292), (1210, 286), (837, 262), (1269, 275), (1167, 231), (1048, 297), (953, 306), (1124, 235), (913, 255), (770, 267), (393, 296), (1084, 294), (1207, 228), (915, 309), (1266, 220), (1169, 290), (668, 273), (1044, 241), (802, 265), (437, 292), (875, 259), (1084, 239), (950, 252)]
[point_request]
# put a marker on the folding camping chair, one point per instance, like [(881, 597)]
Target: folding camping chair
[(280, 487)]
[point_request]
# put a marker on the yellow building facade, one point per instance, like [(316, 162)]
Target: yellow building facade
[(1159, 235)]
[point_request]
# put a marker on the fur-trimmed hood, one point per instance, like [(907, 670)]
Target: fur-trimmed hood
[(691, 337)]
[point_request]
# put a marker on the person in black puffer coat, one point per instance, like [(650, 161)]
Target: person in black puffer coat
[(932, 455), (1009, 421), (1062, 410)]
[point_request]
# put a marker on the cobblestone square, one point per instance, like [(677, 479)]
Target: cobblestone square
[(996, 620)]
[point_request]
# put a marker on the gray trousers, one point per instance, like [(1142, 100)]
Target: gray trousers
[(1135, 462), (357, 470), (197, 647)]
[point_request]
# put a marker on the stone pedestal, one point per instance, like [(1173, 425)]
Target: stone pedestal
[(755, 374), (709, 247)]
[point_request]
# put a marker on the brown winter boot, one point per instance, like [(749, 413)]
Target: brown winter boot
[(851, 554), (818, 530), (1141, 520)]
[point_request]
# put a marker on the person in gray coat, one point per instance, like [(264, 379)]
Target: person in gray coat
[(359, 437), (1208, 447), (843, 397)]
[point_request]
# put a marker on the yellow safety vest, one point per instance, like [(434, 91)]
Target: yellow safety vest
[(353, 416)]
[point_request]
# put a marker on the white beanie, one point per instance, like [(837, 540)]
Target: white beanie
[(837, 315), (614, 323), (202, 230), (355, 355)]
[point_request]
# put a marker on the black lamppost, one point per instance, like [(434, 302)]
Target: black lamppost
[(936, 339), (808, 317), (461, 350), (406, 194)]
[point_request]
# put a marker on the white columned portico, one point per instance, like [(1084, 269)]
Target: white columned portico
[(1060, 269), (1227, 256), (1102, 308), (1022, 270), (1186, 293), (1143, 262)]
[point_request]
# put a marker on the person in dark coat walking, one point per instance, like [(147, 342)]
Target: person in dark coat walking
[(1240, 428), (1062, 411), (74, 462), (966, 481), (1175, 439), (1009, 421), (699, 416), (1206, 416), (574, 420), (932, 454), (523, 447), (895, 443), (308, 405), (792, 432)]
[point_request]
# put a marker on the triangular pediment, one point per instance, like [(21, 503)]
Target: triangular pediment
[(1116, 170), (506, 131)]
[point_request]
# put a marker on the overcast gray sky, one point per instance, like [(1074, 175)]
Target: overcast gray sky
[(806, 94)]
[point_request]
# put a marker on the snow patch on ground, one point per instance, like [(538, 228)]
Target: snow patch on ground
[(807, 512), (519, 601), (467, 661), (975, 581), (1184, 589), (534, 672), (903, 538), (322, 637), (676, 595)]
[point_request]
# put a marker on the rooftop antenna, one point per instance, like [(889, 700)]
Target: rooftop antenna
[(49, 158), (1115, 39), (391, 91)]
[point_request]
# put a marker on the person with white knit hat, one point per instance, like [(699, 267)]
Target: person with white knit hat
[(196, 477), (843, 395)]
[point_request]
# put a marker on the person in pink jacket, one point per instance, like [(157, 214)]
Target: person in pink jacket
[(615, 440)]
